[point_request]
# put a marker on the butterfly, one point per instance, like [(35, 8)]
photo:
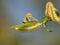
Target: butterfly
[(52, 12), (29, 18), (29, 23)]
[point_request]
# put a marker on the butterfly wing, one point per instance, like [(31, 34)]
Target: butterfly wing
[(27, 26), (29, 18), (51, 12)]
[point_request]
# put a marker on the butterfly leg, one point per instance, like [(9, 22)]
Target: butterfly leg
[(45, 27), (45, 21)]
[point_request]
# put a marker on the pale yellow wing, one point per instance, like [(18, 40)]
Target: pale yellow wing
[(29, 18), (50, 12)]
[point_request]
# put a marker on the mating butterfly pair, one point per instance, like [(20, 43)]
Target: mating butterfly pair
[(30, 23)]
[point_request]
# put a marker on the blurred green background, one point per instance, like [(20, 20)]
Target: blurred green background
[(12, 13)]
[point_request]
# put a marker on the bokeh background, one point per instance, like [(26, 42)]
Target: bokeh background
[(12, 13)]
